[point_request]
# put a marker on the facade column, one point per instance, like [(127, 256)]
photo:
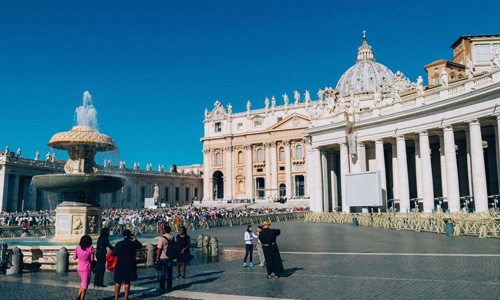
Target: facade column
[(344, 169), (497, 147), (332, 169), (442, 164), (395, 173), (228, 193), (404, 188), (206, 175), (478, 170), (274, 171), (451, 169), (426, 171), (418, 170), (288, 169), (361, 156), (380, 161), (267, 185), (249, 167), (4, 190)]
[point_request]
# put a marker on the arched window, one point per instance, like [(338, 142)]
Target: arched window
[(218, 159), (240, 157), (282, 154), (298, 151), (260, 155)]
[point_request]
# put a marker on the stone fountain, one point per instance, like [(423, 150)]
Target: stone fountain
[(79, 212)]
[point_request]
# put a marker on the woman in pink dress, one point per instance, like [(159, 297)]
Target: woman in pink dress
[(85, 254)]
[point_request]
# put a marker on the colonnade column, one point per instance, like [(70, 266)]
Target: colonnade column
[(288, 169), (478, 170), (395, 173), (324, 181), (249, 177), (274, 170), (267, 146), (344, 169), (426, 171), (317, 200), (228, 193), (497, 146), (442, 163), (206, 175), (404, 188), (469, 163), (380, 160), (451, 169), (361, 156), (418, 169)]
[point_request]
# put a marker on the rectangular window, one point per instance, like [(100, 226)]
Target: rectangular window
[(282, 155), (218, 127), (282, 168), (143, 194), (240, 126), (482, 52), (186, 198), (257, 123), (177, 194), (259, 170)]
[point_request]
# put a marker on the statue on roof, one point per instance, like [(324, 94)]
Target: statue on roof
[(296, 95), (494, 59), (469, 69), (307, 96), (285, 98), (420, 86), (229, 108), (443, 78), (267, 102), (37, 156), (249, 105), (320, 94), (6, 151), (273, 101)]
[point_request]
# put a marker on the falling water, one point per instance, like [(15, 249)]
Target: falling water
[(32, 197), (86, 115)]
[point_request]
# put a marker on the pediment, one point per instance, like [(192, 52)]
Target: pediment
[(291, 122)]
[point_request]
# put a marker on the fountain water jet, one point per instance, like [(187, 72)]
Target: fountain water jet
[(79, 212)]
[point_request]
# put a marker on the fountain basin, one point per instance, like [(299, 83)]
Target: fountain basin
[(79, 183)]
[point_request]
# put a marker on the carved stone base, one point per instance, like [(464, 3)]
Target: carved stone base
[(74, 219)]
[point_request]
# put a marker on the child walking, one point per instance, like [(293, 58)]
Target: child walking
[(249, 235)]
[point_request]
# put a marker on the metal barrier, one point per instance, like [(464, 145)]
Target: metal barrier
[(33, 231), (486, 224)]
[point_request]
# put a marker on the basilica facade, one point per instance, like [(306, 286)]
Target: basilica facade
[(433, 146)]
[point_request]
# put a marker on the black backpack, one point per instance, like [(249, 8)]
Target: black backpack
[(171, 251)]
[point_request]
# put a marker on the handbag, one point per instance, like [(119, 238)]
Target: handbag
[(93, 264), (111, 261)]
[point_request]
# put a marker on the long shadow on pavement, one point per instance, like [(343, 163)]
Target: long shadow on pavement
[(289, 272)]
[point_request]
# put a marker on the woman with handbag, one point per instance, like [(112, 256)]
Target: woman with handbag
[(102, 245), (84, 252)]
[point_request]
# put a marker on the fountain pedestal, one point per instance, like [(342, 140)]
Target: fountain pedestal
[(75, 219)]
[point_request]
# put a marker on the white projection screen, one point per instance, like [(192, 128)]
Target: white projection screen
[(364, 189)]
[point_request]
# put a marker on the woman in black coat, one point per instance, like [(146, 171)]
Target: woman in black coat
[(102, 245), (126, 266)]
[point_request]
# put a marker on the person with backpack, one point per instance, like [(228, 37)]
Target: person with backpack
[(164, 257)]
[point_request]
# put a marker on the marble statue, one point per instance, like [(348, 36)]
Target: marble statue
[(469, 69), (285, 98), (47, 156), (105, 163), (443, 78), (229, 108), (420, 86), (494, 59), (135, 166), (6, 150), (53, 157), (162, 168), (249, 105), (77, 226), (320, 94), (273, 101), (156, 192), (138, 165), (267, 102), (307, 96), (159, 168), (109, 162), (37, 156), (19, 152), (377, 96), (395, 94), (296, 96)]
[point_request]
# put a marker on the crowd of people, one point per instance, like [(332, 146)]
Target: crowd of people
[(28, 218)]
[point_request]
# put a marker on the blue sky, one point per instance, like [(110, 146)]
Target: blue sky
[(153, 66)]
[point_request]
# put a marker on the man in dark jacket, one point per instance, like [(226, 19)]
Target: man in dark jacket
[(271, 252)]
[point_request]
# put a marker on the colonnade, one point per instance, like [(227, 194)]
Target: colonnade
[(420, 174)]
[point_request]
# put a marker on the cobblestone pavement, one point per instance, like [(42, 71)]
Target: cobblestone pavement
[(322, 261)]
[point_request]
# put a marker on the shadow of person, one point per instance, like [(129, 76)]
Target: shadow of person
[(208, 273), (289, 272), (189, 284)]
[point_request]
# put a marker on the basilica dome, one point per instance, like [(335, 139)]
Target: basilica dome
[(365, 75)]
